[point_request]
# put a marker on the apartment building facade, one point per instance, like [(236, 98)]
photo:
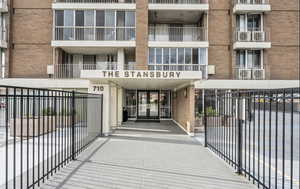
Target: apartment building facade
[(150, 56)]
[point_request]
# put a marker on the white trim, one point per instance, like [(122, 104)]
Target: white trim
[(183, 7), (97, 6), (184, 44), (179, 125), (252, 45), (116, 44), (244, 8)]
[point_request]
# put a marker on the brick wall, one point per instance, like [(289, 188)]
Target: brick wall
[(31, 38), (183, 108), (141, 34)]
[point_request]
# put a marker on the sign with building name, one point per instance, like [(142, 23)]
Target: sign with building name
[(141, 74)]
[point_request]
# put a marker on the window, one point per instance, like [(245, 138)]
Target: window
[(69, 18), (79, 18), (249, 59), (180, 55), (158, 55), (59, 18), (202, 56), (166, 56), (188, 55), (173, 56), (151, 55)]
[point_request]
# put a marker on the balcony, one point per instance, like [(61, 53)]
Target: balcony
[(178, 37), (179, 5), (254, 39), (94, 36), (244, 6), (249, 73), (94, 4), (3, 6)]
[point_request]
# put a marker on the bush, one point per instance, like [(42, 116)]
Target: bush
[(209, 112), (49, 112)]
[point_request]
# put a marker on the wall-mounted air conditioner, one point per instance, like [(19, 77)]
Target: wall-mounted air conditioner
[(244, 74), (258, 74), (50, 69), (258, 36), (243, 36)]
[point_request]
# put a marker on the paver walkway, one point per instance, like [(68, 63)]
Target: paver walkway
[(147, 155)]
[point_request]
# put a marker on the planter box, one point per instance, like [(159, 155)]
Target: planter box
[(42, 128)]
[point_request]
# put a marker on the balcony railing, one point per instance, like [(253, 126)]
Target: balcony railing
[(73, 70), (252, 2), (94, 1), (94, 33), (255, 35), (177, 34), (249, 73), (178, 1)]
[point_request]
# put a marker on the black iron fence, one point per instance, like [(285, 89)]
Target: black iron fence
[(42, 130), (257, 132)]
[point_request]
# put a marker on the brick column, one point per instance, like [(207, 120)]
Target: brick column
[(141, 52)]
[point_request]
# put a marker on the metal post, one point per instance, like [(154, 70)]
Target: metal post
[(205, 120), (73, 125), (240, 144)]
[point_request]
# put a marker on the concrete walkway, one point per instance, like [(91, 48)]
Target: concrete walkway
[(147, 155)]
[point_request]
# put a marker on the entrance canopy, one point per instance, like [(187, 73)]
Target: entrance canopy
[(143, 79)]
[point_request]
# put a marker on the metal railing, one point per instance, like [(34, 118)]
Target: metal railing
[(94, 1), (94, 33), (74, 70), (257, 132), (253, 35), (177, 33), (178, 1), (252, 2), (249, 73), (42, 130)]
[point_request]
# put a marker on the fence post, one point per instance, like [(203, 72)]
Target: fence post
[(73, 125), (240, 132), (205, 119)]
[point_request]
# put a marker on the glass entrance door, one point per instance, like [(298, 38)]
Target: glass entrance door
[(148, 105)]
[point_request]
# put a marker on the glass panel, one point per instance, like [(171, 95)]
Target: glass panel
[(142, 104), (165, 104), (110, 19), (130, 19), (253, 22), (180, 55), (257, 59), (89, 18), (188, 55), (202, 56), (249, 59), (79, 18), (121, 18), (195, 56), (151, 55), (131, 103), (158, 55), (173, 56), (153, 106), (68, 18), (166, 56), (59, 18), (100, 18), (240, 59)]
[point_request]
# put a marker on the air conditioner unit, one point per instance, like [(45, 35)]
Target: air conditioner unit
[(258, 74), (50, 69), (211, 69), (243, 36), (244, 74), (258, 36)]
